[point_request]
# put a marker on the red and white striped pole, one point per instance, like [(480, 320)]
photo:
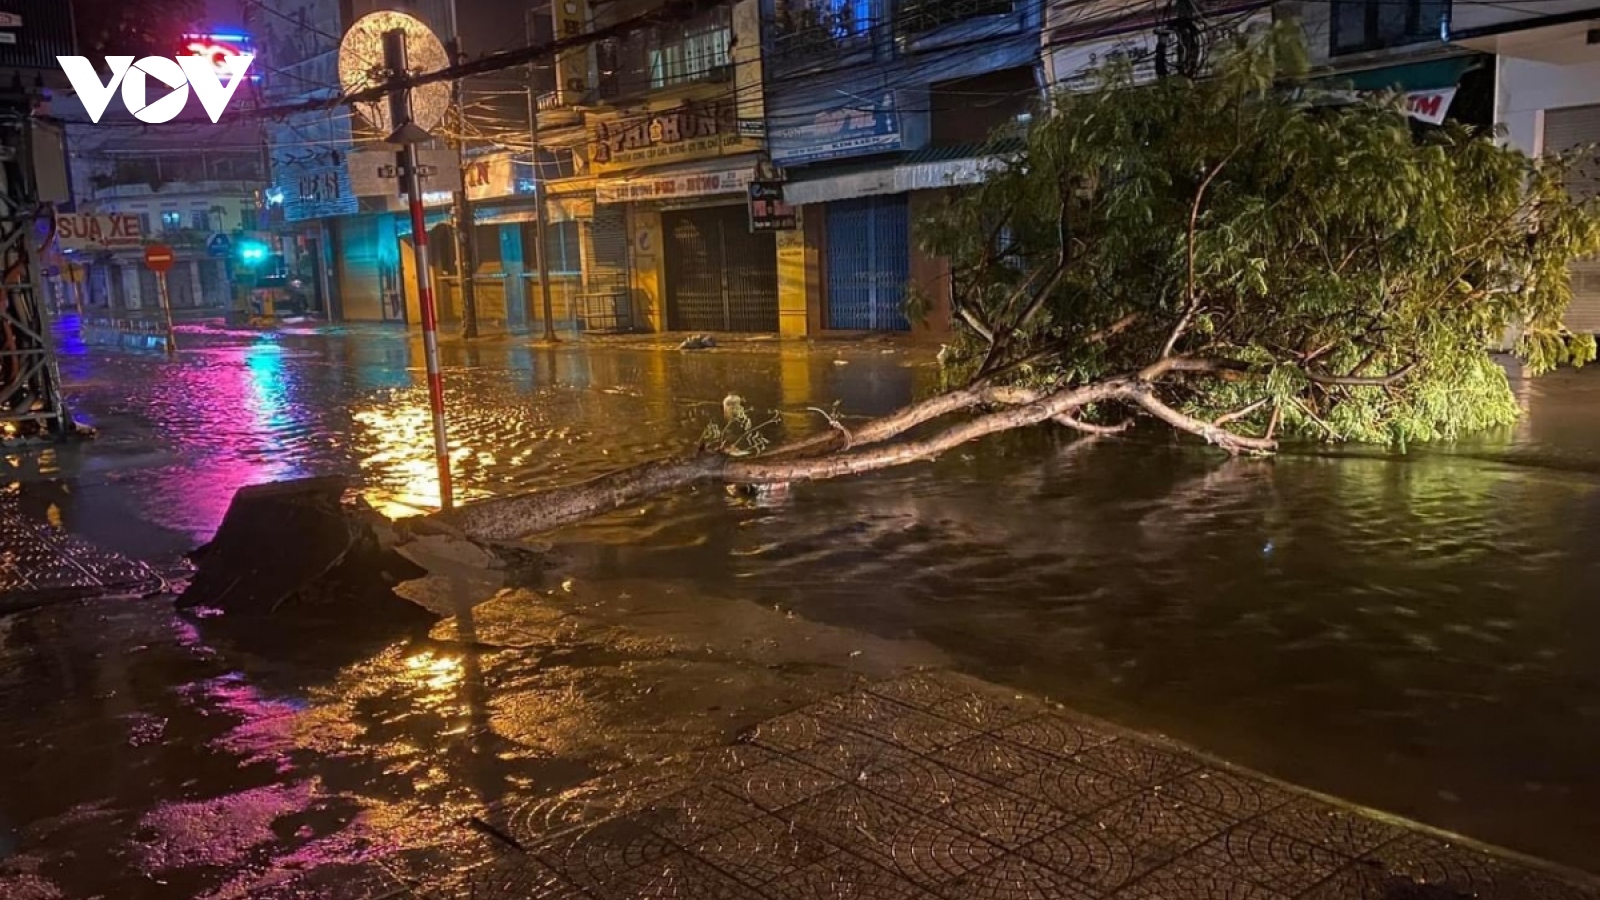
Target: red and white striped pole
[(394, 51)]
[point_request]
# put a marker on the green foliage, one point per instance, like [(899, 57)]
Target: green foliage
[(1328, 243)]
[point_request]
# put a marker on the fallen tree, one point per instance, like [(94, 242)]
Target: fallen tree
[(1211, 254)]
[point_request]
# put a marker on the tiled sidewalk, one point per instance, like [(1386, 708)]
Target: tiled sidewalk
[(935, 786), (40, 564)]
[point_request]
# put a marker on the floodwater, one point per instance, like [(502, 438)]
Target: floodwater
[(1414, 633)]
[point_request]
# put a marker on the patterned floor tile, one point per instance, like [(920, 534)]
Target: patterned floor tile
[(993, 760), (858, 710), (596, 855), (924, 785), (1269, 859), (852, 756), (922, 690), (515, 877), (1142, 764), (928, 851), (845, 877), (1189, 879), (1347, 833), (788, 733), (1056, 735), (987, 713), (1229, 793), (779, 783), (1075, 789), (849, 817), (1015, 878), (1423, 859), (917, 732), (1003, 818), (764, 849), (1088, 854), (677, 876), (698, 813), (1158, 829)]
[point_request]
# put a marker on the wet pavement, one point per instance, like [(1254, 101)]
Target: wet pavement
[(1411, 633), (935, 786)]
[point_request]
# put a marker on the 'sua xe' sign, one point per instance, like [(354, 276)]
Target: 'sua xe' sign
[(81, 231)]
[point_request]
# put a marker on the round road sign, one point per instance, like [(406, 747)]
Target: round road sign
[(158, 257)]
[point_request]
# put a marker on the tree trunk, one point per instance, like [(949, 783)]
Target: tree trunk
[(507, 519)]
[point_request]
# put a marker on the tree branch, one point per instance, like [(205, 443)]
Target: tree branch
[(1089, 428), (1227, 440), (1192, 299), (1241, 412), (1358, 381)]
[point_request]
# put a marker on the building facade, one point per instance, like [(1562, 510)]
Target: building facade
[(876, 109), (1547, 97)]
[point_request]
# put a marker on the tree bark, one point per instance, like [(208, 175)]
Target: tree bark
[(508, 519)]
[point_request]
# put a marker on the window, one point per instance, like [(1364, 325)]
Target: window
[(918, 16), (810, 27), (171, 220), (1360, 25), (692, 55), (202, 220), (144, 224)]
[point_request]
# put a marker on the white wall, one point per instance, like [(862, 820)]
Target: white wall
[(1465, 17), (1526, 88)]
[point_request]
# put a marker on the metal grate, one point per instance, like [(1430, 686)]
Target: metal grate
[(869, 264), (720, 277)]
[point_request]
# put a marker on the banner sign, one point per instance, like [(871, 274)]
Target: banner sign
[(671, 187), (691, 130), (768, 212), (866, 125), (82, 231)]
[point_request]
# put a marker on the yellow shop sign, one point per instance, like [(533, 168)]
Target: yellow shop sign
[(692, 130)]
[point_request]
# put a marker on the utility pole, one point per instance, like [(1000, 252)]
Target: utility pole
[(466, 226), (410, 172), (541, 212)]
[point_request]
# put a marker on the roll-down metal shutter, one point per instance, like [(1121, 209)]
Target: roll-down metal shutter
[(1565, 129), (720, 277), (869, 263)]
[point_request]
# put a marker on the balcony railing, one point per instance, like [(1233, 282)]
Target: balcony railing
[(820, 32), (917, 17)]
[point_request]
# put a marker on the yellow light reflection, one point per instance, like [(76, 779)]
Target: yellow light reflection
[(436, 673), (403, 477)]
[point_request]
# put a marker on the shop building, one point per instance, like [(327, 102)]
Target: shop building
[(876, 110)]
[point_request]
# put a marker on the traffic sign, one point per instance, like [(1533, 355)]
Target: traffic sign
[(219, 244), (159, 258)]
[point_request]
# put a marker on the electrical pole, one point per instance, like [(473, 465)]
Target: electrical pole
[(541, 213), (410, 172), (466, 226)]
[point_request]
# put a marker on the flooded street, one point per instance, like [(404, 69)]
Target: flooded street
[(1415, 633)]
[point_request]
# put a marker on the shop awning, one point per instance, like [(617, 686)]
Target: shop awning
[(432, 219), (561, 209)]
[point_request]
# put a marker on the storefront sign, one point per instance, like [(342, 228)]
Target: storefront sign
[(1429, 106), (671, 187), (869, 125), (768, 212), (81, 231), (692, 130), (490, 176)]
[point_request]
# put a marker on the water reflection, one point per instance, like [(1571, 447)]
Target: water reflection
[(1411, 632)]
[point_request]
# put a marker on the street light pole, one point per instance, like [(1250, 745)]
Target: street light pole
[(541, 213)]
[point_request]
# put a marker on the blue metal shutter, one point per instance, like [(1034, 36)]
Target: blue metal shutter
[(869, 264)]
